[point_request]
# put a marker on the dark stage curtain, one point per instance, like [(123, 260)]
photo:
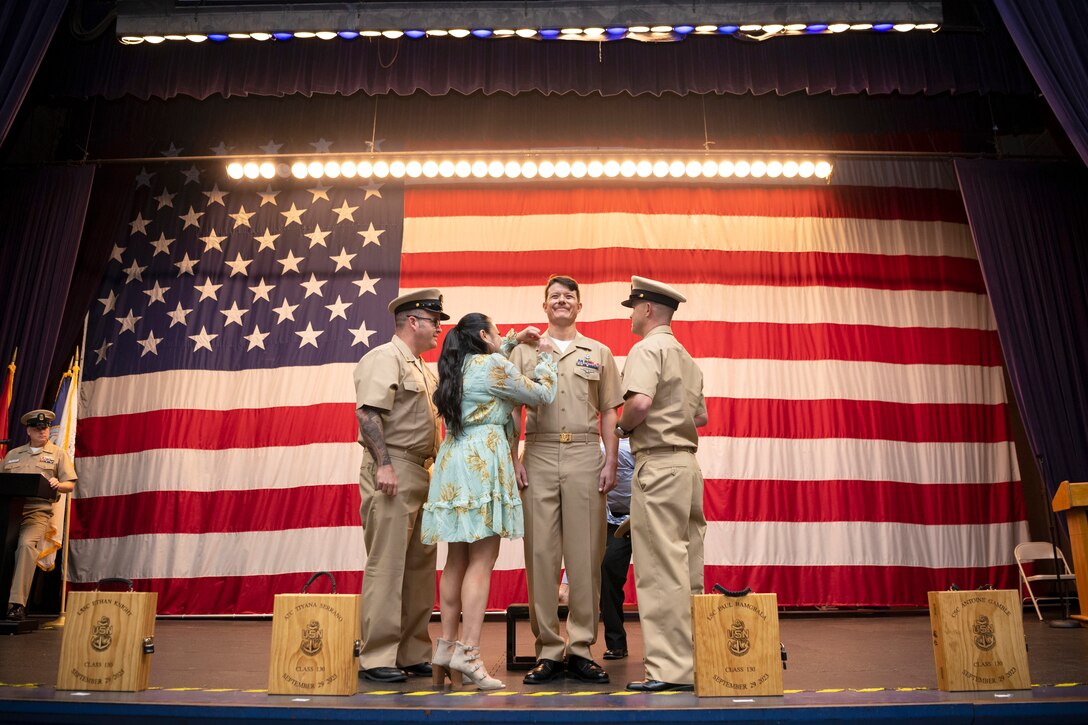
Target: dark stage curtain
[(907, 63), (42, 213), (26, 27), (1027, 223), (1051, 37)]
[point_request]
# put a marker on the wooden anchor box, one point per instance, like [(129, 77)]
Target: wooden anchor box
[(107, 642), (978, 640), (314, 645), (737, 645)]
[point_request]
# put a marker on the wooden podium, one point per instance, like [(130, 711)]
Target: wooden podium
[(14, 489), (1072, 498), (738, 650), (978, 640)]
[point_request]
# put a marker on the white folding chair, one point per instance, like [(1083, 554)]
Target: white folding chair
[(1039, 551)]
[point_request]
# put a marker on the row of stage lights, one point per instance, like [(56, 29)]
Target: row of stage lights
[(562, 169), (614, 33)]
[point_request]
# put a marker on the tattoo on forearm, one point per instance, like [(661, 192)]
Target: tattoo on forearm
[(373, 434)]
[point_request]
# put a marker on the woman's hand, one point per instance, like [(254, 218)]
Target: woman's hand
[(545, 345), (529, 334)]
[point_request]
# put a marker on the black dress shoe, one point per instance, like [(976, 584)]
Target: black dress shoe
[(585, 670), (16, 613), (423, 669), (385, 674), (615, 654), (545, 671), (658, 686)]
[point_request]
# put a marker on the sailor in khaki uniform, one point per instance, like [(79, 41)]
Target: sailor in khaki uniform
[(398, 428), (663, 405), (565, 478), (52, 461)]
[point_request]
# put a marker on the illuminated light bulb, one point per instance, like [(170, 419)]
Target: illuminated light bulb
[(594, 32), (595, 169), (482, 32), (639, 29), (414, 169), (774, 169), (447, 169), (234, 170), (904, 27), (438, 33), (365, 169), (571, 31), (194, 38), (927, 26), (495, 169), (348, 169), (644, 169), (503, 33), (578, 169), (370, 33), (710, 168), (261, 36), (725, 169), (529, 169), (677, 169), (823, 170), (381, 169), (861, 26), (838, 27), (661, 169), (246, 36), (789, 169), (628, 169), (316, 169), (693, 169), (882, 27), (795, 27), (512, 169), (178, 37), (525, 32), (268, 169), (463, 169), (299, 170), (742, 169), (131, 40), (479, 169), (706, 28), (326, 34), (392, 34), (749, 28), (549, 33), (332, 169), (430, 169), (283, 170), (396, 169), (154, 39), (303, 34), (727, 29), (612, 169), (683, 29), (562, 169), (277, 35), (251, 170), (661, 29), (759, 169), (460, 32), (816, 28), (806, 169), (773, 29), (547, 169)]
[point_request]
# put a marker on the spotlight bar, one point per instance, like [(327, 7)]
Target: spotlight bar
[(484, 167)]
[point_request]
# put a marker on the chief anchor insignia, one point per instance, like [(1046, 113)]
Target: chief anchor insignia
[(102, 635), (739, 644), (311, 639), (984, 633)]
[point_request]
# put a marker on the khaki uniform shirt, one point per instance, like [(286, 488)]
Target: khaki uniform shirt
[(589, 382), (660, 367), (391, 379), (52, 462)]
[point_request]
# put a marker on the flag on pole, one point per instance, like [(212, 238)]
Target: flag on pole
[(63, 434), (5, 403)]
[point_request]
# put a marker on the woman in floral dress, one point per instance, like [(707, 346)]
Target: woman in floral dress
[(473, 500)]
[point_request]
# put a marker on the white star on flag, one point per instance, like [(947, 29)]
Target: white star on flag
[(241, 218), (345, 212), (215, 196), (192, 219), (178, 316), (222, 149), (212, 241), (155, 294), (366, 284), (271, 147), (162, 245), (118, 250), (185, 266), (290, 261), (142, 179), (108, 301), (293, 215), (268, 196), (202, 340), (165, 199), (150, 345), (373, 189), (234, 315), (139, 224), (320, 192), (172, 151), (375, 145), (260, 291), (101, 352), (208, 290), (192, 175), (285, 312), (266, 240), (361, 334), (239, 265), (337, 309), (128, 322), (256, 338), (313, 286), (134, 272), (371, 235), (343, 260), (321, 145), (308, 336), (317, 237)]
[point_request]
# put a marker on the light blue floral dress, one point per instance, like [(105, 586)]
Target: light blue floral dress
[(473, 491)]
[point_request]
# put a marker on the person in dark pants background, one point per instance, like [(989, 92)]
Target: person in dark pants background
[(617, 555)]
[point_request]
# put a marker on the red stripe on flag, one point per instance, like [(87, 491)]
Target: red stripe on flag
[(856, 585), (694, 266), (939, 504), (824, 201), (201, 512), (868, 419), (824, 341)]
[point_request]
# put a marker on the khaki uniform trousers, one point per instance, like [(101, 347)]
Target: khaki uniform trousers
[(33, 528), (399, 581), (564, 521), (667, 527)]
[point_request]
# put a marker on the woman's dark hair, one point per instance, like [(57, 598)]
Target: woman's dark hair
[(463, 340)]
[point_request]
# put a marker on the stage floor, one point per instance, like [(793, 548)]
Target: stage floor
[(841, 667)]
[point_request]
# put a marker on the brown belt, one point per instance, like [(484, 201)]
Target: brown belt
[(424, 461), (662, 450), (562, 438)]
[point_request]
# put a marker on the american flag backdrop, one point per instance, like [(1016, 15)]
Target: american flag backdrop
[(858, 450)]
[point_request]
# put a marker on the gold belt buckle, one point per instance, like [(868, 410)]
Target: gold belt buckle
[(565, 437)]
